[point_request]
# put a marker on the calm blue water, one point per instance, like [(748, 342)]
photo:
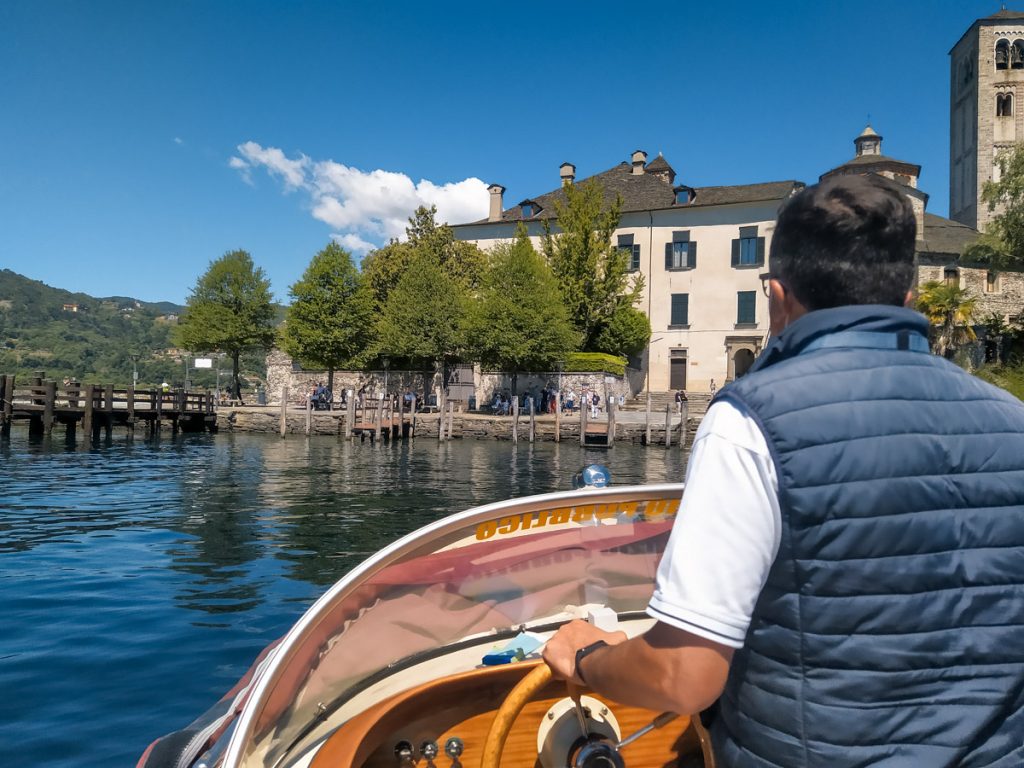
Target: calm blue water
[(139, 580)]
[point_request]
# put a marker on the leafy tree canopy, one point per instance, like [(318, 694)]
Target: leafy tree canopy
[(519, 322), (1002, 245), (950, 310), (422, 319), (464, 262), (229, 310), (329, 321), (592, 273), (627, 332)]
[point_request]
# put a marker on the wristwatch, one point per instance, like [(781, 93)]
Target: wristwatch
[(585, 651)]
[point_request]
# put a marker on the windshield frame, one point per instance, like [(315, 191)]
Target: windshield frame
[(406, 546)]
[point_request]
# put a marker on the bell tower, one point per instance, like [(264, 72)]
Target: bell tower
[(986, 80)]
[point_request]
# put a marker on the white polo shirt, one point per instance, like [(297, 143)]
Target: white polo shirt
[(726, 535)]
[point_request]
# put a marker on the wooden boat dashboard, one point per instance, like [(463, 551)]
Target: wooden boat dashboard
[(463, 706)]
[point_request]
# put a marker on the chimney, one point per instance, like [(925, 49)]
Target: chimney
[(639, 159), (568, 173), (496, 191)]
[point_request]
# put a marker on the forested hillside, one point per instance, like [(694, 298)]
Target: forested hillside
[(92, 339)]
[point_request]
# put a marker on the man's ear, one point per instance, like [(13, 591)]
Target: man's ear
[(909, 300)]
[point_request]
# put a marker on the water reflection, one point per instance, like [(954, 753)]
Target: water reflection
[(175, 559)]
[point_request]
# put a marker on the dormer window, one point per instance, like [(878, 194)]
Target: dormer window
[(683, 195), (529, 208), (1002, 54)]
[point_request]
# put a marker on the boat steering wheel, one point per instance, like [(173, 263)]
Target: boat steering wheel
[(521, 695), (509, 710)]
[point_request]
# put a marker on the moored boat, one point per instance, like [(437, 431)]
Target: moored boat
[(427, 654)]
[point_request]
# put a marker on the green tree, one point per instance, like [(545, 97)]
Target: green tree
[(383, 268), (626, 333), (422, 319), (519, 322), (329, 321), (592, 273), (949, 310), (1002, 245), (229, 310)]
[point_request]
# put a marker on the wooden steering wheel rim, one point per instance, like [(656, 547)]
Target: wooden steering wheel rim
[(509, 710)]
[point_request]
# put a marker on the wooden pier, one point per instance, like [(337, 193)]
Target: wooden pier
[(98, 408)]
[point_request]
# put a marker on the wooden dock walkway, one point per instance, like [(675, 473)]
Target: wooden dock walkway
[(98, 408)]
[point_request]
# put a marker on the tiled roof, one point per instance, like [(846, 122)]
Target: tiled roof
[(649, 192), (1006, 14), (659, 164), (869, 160), (944, 236)]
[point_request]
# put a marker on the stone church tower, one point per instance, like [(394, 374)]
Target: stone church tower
[(985, 117)]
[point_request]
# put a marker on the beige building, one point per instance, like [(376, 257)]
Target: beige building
[(700, 251), (986, 78)]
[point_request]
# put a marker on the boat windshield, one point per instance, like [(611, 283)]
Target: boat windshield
[(470, 581)]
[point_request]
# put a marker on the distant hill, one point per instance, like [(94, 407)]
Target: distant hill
[(91, 339)]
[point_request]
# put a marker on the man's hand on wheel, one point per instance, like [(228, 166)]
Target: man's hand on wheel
[(560, 651)]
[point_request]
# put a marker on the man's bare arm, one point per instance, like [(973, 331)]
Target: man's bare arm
[(663, 669)]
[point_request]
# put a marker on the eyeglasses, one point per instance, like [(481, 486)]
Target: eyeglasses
[(766, 287)]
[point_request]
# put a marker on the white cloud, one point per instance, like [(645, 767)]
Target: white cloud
[(177, 140), (367, 208), (353, 243)]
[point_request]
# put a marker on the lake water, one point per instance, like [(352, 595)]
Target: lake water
[(139, 580)]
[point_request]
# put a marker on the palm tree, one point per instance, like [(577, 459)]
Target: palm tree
[(950, 310)]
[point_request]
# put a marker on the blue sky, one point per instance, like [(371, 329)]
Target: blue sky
[(141, 140)]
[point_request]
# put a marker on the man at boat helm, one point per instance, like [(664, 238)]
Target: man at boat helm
[(846, 573)]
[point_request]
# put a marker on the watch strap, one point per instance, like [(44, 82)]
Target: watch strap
[(585, 651)]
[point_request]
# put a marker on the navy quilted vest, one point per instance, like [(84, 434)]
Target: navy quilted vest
[(891, 628)]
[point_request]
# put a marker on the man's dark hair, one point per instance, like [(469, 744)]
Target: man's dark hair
[(847, 240)]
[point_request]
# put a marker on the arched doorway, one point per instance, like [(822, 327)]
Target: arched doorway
[(741, 351), (742, 361)]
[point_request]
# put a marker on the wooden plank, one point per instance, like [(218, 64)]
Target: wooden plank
[(611, 420), (87, 415), (283, 425), (584, 410), (51, 396), (647, 420), (131, 411), (6, 403)]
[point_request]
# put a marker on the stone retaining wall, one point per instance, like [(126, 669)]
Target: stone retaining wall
[(281, 371), (464, 426)]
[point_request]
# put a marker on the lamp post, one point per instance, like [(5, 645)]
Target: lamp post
[(386, 362), (220, 356), (135, 369)]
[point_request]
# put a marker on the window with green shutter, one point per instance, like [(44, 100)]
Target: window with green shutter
[(681, 253), (748, 249), (632, 251), (680, 309), (746, 305)]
